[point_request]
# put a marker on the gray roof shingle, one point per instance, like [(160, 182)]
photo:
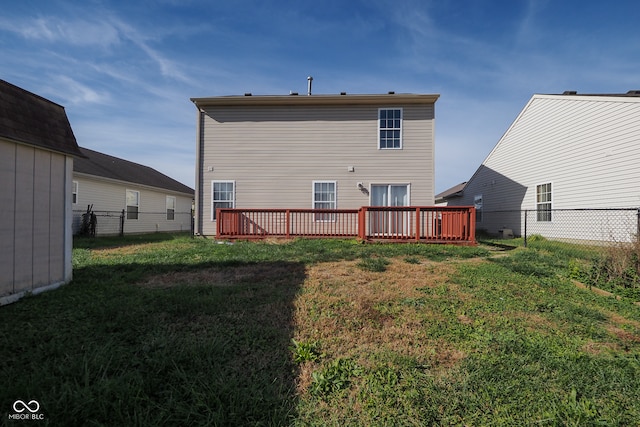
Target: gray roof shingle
[(103, 165), (31, 119)]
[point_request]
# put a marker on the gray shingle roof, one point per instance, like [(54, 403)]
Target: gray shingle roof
[(103, 165), (31, 119), (454, 191)]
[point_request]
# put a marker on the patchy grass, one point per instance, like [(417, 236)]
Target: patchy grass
[(179, 331)]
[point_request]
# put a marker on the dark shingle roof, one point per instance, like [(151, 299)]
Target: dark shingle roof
[(31, 119), (454, 191), (103, 165)]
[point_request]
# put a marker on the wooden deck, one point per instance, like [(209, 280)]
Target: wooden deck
[(428, 224)]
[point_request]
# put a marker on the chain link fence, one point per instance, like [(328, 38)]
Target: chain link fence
[(599, 248), (582, 226), (111, 223)]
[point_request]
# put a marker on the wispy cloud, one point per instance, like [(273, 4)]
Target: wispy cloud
[(51, 29), (76, 93), (167, 67), (110, 31)]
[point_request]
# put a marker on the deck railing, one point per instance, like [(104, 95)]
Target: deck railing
[(437, 224)]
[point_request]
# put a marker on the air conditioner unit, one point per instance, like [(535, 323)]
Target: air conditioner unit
[(505, 233)]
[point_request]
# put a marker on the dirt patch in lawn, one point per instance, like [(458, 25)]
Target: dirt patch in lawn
[(352, 312), (122, 250)]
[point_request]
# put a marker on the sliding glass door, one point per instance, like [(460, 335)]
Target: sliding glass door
[(389, 195)]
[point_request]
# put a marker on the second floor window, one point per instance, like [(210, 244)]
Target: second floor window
[(390, 128)]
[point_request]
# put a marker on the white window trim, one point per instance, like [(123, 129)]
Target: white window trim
[(401, 127), (167, 208), (233, 200), (126, 205), (535, 199), (77, 185), (313, 197)]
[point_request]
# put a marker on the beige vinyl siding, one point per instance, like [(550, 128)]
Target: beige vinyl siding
[(7, 215), (24, 216), (42, 227), (110, 196), (34, 245), (275, 153), (586, 146)]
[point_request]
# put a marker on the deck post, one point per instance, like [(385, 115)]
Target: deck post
[(287, 214), (417, 224), (218, 223)]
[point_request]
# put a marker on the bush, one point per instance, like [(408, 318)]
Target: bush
[(618, 270)]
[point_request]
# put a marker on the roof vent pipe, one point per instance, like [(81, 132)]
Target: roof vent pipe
[(309, 80)]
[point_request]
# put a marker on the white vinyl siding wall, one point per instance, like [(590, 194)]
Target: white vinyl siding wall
[(587, 146), (110, 195), (275, 153)]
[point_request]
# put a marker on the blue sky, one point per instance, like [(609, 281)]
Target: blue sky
[(125, 70)]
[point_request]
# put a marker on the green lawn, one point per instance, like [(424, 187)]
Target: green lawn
[(166, 330)]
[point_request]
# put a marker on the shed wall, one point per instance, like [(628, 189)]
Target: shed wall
[(35, 251)]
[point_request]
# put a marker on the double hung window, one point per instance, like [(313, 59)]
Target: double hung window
[(222, 196), (74, 192), (324, 197), (543, 202), (389, 128), (133, 204), (171, 208)]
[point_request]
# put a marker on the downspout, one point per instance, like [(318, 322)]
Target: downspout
[(199, 172)]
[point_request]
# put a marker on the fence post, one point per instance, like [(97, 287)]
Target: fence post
[(193, 224), (525, 228), (122, 223)]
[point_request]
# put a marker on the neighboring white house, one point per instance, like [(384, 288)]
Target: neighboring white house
[(314, 151), (109, 186), (563, 152), (37, 147)]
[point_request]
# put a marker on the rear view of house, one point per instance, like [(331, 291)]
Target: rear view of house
[(313, 152), (37, 147)]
